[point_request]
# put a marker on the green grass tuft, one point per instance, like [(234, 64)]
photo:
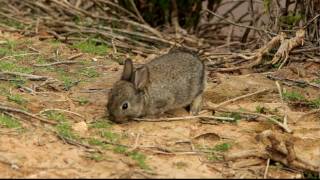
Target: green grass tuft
[(89, 72), (17, 99), (65, 131), (100, 124), (81, 100), (9, 122), (293, 96), (90, 46), (97, 157), (222, 147), (53, 115)]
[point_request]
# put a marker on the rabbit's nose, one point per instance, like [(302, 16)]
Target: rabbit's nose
[(117, 119)]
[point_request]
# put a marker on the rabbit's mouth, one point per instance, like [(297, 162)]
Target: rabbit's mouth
[(118, 119)]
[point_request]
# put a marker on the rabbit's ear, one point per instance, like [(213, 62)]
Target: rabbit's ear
[(127, 70), (141, 78)]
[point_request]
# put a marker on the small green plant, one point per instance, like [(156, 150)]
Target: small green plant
[(139, 158), (135, 155), (17, 99), (120, 149), (12, 23), (64, 130), (293, 96), (214, 153), (97, 157), (317, 81), (97, 142), (90, 46), (89, 72), (100, 124), (9, 122), (68, 82), (113, 137), (214, 157), (291, 19), (82, 100), (315, 103), (53, 115), (222, 147), (14, 67), (260, 109), (235, 115)]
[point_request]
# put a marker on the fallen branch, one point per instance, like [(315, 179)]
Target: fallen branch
[(75, 56), (286, 46), (292, 82), (251, 113), (10, 109), (62, 110), (27, 76), (241, 97), (241, 25), (282, 55), (184, 118), (56, 63)]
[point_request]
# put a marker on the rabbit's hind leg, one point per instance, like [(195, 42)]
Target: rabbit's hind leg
[(196, 105)]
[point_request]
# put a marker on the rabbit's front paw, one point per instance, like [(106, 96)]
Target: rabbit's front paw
[(196, 105)]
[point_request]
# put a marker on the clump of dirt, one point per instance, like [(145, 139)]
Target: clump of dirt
[(85, 144)]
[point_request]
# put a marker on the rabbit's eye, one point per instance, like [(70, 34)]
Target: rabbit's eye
[(125, 106)]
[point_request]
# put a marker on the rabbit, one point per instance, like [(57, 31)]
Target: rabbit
[(174, 80)]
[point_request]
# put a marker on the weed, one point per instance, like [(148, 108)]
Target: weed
[(214, 157), (113, 137), (315, 103), (63, 128), (222, 147), (100, 124), (291, 18), (317, 81), (89, 72), (65, 131), (12, 23), (68, 82), (235, 115), (17, 99), (139, 158), (97, 142), (120, 149), (90, 46), (13, 67), (214, 153), (97, 157), (53, 115), (9, 122), (293, 96), (260, 109), (81, 101)]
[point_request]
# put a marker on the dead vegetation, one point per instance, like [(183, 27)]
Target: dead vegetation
[(59, 58)]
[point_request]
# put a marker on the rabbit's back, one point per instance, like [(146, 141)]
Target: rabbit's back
[(175, 80)]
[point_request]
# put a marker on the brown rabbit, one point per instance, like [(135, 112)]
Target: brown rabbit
[(171, 81)]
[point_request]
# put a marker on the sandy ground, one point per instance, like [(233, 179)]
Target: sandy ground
[(177, 149)]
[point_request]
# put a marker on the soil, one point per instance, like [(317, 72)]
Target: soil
[(171, 149)]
